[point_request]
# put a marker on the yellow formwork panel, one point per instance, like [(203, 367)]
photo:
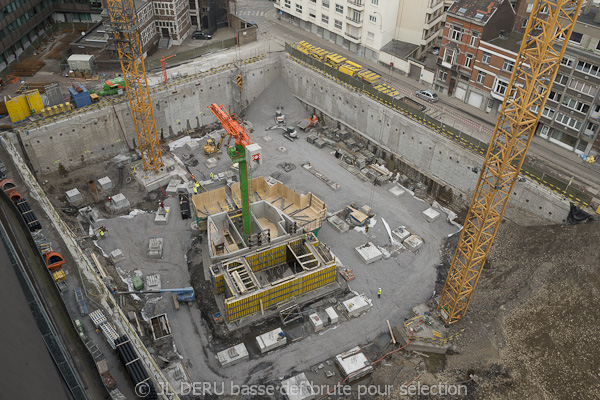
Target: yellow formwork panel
[(35, 100), (18, 109)]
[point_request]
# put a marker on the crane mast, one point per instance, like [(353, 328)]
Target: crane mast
[(123, 27), (543, 46)]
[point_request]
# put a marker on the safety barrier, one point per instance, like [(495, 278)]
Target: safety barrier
[(568, 190)]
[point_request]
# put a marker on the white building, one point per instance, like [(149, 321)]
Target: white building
[(365, 26)]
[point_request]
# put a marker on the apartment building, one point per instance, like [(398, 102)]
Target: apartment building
[(208, 15), (23, 21), (366, 26), (467, 23), (172, 19)]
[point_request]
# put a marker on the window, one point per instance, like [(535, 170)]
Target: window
[(588, 68), (325, 19), (554, 96), (372, 18), (569, 121), (456, 33), (576, 37), (375, 2), (449, 56), (561, 79), (468, 60), (312, 14), (337, 24), (339, 8), (525, 21), (474, 37), (481, 77), (313, 1), (442, 75), (500, 87), (544, 10), (590, 129), (567, 61), (326, 3), (298, 8), (548, 112), (581, 87), (575, 104), (508, 65), (562, 137), (486, 58), (529, 7)]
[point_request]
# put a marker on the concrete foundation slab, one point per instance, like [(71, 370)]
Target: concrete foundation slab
[(153, 282), (233, 355), (74, 196), (298, 388), (162, 216), (397, 191), (271, 340), (211, 163), (431, 215), (155, 248), (119, 200), (105, 183), (401, 233), (116, 256), (413, 243), (173, 185), (316, 321), (332, 316), (356, 305), (151, 180), (369, 253), (353, 364), (192, 145)]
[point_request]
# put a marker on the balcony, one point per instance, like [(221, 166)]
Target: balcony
[(354, 21), (353, 37), (357, 4), (434, 5)]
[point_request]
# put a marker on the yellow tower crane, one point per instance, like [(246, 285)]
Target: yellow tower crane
[(544, 44), (123, 27)]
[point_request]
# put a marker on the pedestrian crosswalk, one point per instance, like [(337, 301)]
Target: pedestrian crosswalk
[(252, 13)]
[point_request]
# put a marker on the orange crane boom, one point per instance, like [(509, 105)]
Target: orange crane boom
[(543, 46)]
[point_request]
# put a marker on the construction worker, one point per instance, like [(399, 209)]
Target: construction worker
[(211, 175), (195, 190), (379, 293), (101, 232), (366, 228), (197, 184)]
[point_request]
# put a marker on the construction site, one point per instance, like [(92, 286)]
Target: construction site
[(265, 228)]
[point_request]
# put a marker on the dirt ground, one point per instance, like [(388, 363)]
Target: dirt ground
[(530, 331)]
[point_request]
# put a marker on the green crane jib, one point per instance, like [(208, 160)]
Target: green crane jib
[(243, 150)]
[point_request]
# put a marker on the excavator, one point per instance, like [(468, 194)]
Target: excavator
[(211, 148)]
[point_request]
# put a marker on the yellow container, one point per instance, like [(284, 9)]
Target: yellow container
[(350, 68), (369, 76), (334, 60)]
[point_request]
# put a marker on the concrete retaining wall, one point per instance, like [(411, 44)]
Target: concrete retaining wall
[(426, 151), (103, 133)]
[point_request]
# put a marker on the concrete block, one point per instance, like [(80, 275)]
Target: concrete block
[(431, 215), (353, 364), (172, 186), (211, 162), (74, 197), (155, 248), (316, 321), (271, 340), (369, 253), (105, 183), (162, 216), (119, 200), (401, 233), (153, 282), (331, 315), (413, 243), (397, 191), (116, 256), (298, 388), (233, 355), (339, 224), (192, 144), (356, 306)]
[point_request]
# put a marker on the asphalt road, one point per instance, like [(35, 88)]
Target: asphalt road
[(28, 371)]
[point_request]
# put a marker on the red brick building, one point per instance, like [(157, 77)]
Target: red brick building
[(467, 23)]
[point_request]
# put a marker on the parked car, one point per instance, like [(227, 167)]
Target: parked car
[(435, 50), (428, 95), (201, 35)]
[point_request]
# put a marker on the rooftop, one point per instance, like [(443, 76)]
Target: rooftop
[(512, 42), (481, 10), (399, 49)]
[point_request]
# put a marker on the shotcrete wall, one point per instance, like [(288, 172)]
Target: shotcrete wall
[(427, 152), (102, 133)]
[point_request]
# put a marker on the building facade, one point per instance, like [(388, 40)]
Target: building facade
[(365, 26), (172, 19), (467, 23)]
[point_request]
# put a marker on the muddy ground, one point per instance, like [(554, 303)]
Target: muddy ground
[(531, 329)]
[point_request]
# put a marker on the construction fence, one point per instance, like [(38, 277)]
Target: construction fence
[(571, 190), (192, 53)]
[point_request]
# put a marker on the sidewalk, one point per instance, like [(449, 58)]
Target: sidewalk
[(477, 123)]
